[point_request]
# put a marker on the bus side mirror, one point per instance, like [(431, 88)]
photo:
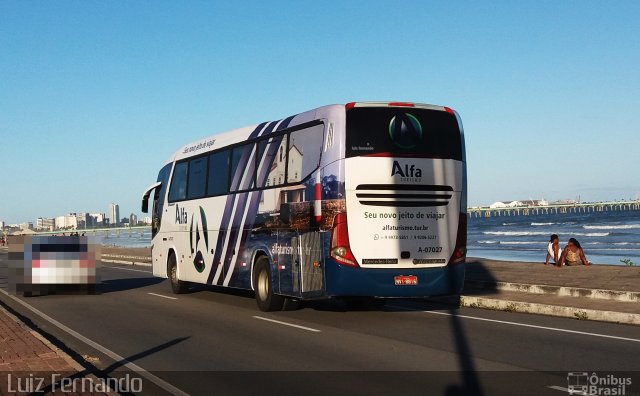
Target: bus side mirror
[(145, 196)]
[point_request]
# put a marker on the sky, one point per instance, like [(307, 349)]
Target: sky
[(96, 95)]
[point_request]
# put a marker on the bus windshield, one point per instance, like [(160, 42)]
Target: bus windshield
[(402, 132)]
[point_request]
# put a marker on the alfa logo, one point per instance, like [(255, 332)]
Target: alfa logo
[(405, 131), (196, 239), (181, 215), (406, 170)]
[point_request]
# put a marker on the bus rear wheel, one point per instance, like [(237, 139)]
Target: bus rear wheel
[(177, 286), (265, 297)]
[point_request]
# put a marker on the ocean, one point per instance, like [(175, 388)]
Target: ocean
[(606, 237), (123, 238)]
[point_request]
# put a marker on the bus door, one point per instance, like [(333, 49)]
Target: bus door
[(307, 263)]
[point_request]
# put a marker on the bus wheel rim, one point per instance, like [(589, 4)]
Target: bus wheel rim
[(263, 285)]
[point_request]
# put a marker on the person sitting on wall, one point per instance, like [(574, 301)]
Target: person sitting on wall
[(553, 250), (573, 254)]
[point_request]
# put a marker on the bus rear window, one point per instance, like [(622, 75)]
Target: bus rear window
[(402, 132)]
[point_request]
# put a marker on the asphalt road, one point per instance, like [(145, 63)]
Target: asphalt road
[(215, 341)]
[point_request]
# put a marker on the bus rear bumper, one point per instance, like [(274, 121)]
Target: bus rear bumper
[(380, 282)]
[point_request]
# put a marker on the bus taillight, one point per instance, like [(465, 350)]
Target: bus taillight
[(340, 249), (460, 252), (400, 104)]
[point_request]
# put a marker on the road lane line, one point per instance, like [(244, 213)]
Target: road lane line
[(287, 324), (522, 324), (160, 295), (127, 269), (126, 363)]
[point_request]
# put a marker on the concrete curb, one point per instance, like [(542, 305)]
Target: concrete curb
[(132, 263), (552, 310), (562, 291)]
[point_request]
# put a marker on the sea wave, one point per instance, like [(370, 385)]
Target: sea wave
[(534, 224), (493, 242), (529, 233), (614, 249), (522, 242), (612, 227), (613, 243)]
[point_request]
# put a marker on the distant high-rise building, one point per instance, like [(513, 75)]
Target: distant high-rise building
[(82, 219), (133, 220), (95, 219), (68, 222), (1, 224), (114, 213), (146, 220), (43, 223), (26, 225)]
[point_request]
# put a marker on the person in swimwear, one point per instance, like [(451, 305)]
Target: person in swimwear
[(553, 250), (573, 254)]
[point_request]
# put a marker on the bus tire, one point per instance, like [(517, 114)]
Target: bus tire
[(177, 286), (265, 297)]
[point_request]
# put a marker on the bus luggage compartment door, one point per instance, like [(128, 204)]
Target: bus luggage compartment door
[(307, 256)]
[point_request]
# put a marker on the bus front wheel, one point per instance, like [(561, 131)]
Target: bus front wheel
[(267, 300), (177, 286)]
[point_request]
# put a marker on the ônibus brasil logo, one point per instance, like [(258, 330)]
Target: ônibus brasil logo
[(405, 131)]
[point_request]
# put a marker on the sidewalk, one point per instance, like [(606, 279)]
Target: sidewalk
[(22, 349), (597, 292), (31, 364)]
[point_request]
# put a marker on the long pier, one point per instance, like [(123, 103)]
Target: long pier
[(91, 231), (578, 207)]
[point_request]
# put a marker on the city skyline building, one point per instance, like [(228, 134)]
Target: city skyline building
[(45, 223), (114, 214)]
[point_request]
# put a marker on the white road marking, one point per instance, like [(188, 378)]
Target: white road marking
[(288, 324), (160, 295), (127, 269), (131, 366), (523, 325)]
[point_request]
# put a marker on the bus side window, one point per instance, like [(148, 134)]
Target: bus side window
[(197, 178), (305, 148), (178, 189), (243, 167), (218, 183), (271, 170)]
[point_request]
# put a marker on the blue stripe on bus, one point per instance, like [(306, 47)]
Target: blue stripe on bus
[(285, 123), (237, 226), (255, 198), (226, 217)]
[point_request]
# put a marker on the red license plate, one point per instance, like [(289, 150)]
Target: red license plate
[(403, 280)]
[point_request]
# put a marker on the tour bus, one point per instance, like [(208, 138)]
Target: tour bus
[(363, 201)]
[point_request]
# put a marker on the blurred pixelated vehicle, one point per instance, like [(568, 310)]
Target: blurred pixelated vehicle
[(47, 264)]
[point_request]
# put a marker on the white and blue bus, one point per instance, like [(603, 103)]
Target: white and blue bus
[(361, 200)]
